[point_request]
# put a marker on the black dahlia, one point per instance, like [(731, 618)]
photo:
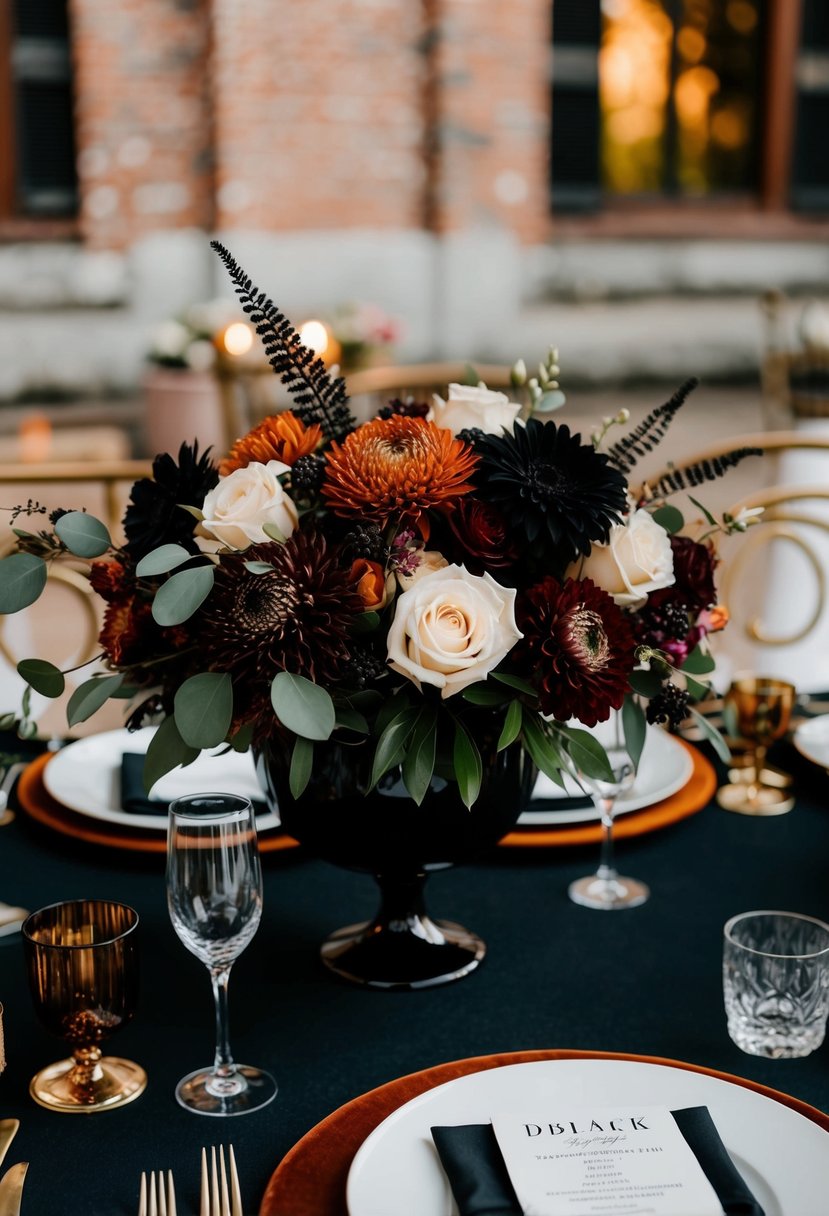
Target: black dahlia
[(558, 491), (154, 515)]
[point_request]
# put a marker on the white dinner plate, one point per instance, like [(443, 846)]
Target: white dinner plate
[(783, 1156), (812, 740), (86, 777), (665, 767)]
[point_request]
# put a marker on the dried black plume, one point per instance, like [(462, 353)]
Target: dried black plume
[(317, 397), (644, 437), (702, 470)]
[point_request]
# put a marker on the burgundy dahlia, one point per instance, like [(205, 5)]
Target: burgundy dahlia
[(580, 646), (483, 538)]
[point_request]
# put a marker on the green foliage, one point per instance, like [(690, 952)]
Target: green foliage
[(391, 745), (712, 735), (302, 764), (544, 750), (670, 518), (162, 559), (167, 750), (514, 682), (699, 663), (646, 683), (587, 753), (22, 578), (484, 694), (302, 706), (44, 677), (512, 726), (83, 534), (419, 762), (203, 709), (467, 764), (178, 598), (635, 728), (90, 696)]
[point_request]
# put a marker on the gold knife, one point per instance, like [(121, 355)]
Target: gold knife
[(11, 1189), (8, 1130)]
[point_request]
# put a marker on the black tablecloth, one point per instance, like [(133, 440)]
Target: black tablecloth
[(556, 975)]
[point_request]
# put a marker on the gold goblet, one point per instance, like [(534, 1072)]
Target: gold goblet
[(761, 707), (82, 963)]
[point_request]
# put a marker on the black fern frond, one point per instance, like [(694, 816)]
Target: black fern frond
[(702, 470), (317, 397), (644, 437)]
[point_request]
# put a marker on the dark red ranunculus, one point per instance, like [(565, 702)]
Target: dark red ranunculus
[(694, 566), (580, 647), (481, 531)]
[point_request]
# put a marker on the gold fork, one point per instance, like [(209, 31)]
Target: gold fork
[(216, 1200), (154, 1199)]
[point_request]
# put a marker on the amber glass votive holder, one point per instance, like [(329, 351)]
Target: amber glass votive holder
[(82, 964)]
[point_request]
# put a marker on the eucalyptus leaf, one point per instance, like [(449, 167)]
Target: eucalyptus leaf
[(712, 735), (635, 728), (162, 559), (419, 762), (178, 598), (273, 532), (7, 721), (646, 683), (547, 402), (258, 567), (90, 696), (512, 726), (302, 764), (22, 578), (240, 742), (351, 719), (167, 751), (83, 534), (670, 518), (699, 663), (203, 709), (696, 689), (467, 763), (196, 512), (302, 706), (587, 754), (391, 745), (44, 677)]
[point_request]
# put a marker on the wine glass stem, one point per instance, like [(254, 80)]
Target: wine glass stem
[(753, 791), (223, 1065), (607, 869)]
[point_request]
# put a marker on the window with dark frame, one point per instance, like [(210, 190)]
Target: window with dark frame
[(37, 143), (679, 101)]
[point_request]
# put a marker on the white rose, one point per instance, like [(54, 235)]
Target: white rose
[(430, 561), (236, 510), (468, 407), (636, 560), (451, 628)]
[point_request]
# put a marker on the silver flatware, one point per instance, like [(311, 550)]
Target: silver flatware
[(11, 1189)]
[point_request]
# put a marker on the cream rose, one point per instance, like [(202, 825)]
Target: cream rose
[(468, 406), (451, 628), (430, 561), (236, 510), (636, 560)]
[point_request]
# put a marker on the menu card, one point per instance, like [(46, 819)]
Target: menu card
[(603, 1161)]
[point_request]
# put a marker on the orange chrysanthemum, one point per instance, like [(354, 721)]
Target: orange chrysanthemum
[(280, 437), (397, 467)]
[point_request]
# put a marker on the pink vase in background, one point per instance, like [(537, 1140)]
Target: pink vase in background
[(182, 405)]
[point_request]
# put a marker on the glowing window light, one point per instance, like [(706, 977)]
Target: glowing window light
[(237, 339)]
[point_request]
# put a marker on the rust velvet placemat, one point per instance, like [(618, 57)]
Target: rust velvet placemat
[(311, 1178)]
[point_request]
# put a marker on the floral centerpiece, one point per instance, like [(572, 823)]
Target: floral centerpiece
[(450, 582)]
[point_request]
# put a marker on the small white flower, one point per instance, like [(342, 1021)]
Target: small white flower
[(469, 406)]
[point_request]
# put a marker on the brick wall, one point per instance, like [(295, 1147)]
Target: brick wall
[(280, 116), (142, 117)]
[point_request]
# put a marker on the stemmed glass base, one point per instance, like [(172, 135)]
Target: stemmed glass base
[(242, 1091), (754, 799), (110, 1082), (608, 891)]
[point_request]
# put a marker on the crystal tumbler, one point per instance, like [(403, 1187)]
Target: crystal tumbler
[(776, 983)]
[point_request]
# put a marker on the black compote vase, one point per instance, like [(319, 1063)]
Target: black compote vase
[(385, 833)]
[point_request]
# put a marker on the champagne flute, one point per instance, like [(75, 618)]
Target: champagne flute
[(82, 963), (606, 888), (214, 894), (760, 708)]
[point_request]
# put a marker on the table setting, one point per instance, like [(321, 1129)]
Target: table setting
[(453, 649)]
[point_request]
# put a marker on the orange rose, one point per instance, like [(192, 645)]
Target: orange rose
[(714, 619), (369, 581)]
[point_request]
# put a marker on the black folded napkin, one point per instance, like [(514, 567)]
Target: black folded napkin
[(133, 796), (481, 1185)]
